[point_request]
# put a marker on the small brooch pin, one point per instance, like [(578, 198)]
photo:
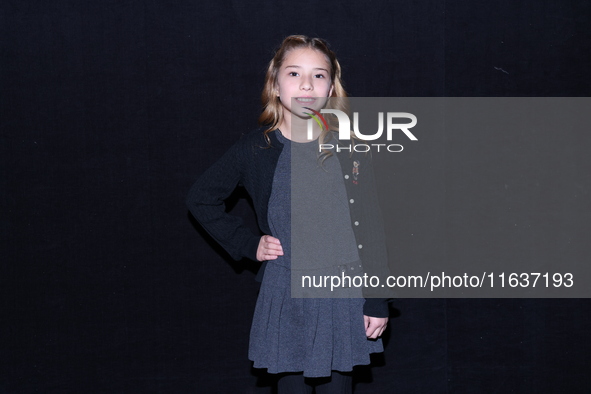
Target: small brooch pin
[(355, 170)]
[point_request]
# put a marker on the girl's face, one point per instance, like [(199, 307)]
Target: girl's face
[(305, 77)]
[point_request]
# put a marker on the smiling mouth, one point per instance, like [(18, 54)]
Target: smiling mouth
[(306, 100)]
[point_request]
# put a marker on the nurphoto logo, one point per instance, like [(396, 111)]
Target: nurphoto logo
[(345, 129)]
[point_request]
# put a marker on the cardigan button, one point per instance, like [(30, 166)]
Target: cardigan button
[(360, 246), (356, 223), (351, 201), (346, 176)]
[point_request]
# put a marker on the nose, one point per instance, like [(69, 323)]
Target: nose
[(306, 84)]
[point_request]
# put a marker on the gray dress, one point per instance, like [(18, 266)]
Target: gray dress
[(308, 212)]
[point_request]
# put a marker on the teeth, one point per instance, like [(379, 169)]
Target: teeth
[(306, 100)]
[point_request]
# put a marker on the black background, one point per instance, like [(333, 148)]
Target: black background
[(111, 109)]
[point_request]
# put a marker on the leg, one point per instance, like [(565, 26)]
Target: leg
[(293, 383), (339, 383)]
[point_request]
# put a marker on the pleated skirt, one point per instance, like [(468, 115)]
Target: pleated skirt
[(310, 335)]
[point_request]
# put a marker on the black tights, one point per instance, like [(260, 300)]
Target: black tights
[(295, 383)]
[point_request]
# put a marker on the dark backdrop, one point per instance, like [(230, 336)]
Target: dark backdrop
[(109, 111)]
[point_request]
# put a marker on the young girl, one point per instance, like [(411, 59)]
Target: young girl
[(309, 342)]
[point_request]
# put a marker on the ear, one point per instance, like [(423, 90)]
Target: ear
[(331, 90)]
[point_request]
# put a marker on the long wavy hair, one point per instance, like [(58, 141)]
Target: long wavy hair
[(272, 114)]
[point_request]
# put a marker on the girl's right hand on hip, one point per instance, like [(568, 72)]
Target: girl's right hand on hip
[(269, 248)]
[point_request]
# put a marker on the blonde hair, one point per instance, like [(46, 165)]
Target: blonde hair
[(272, 114)]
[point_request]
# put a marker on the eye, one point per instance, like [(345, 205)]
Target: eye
[(319, 76), (293, 74)]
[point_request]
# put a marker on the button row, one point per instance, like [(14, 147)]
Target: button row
[(356, 223)]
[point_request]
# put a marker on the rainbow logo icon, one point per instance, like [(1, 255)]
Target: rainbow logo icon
[(317, 117)]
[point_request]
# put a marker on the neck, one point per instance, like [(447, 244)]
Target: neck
[(295, 128)]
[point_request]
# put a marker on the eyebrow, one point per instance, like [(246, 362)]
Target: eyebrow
[(315, 68)]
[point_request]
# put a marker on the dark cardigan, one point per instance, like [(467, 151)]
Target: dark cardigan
[(251, 162)]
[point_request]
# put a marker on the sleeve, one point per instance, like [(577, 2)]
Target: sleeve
[(376, 307), (206, 201), (375, 262)]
